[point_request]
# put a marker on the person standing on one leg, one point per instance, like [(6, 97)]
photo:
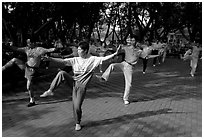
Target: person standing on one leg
[(146, 51), (155, 51), (193, 56), (34, 54), (83, 69), (164, 46), (64, 75), (131, 57)]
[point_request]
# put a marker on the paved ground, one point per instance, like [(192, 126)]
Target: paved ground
[(166, 102)]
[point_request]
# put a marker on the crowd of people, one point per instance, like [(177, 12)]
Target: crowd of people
[(85, 58)]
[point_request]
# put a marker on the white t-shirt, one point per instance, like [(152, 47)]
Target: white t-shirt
[(83, 69)]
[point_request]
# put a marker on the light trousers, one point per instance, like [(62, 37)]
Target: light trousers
[(127, 71), (193, 64)]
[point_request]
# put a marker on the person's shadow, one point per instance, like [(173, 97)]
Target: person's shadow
[(128, 117)]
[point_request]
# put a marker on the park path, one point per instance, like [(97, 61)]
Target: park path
[(165, 102)]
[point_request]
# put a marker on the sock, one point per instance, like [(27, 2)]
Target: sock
[(31, 100)]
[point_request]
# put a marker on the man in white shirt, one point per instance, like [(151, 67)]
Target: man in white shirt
[(83, 69), (193, 56)]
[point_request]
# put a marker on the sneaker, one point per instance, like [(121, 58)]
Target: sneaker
[(126, 102), (101, 79), (78, 127), (31, 104), (192, 75), (143, 72), (47, 93), (154, 65)]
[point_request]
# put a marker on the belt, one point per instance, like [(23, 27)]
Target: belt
[(30, 66), (129, 63)]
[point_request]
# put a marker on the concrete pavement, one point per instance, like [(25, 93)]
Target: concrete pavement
[(165, 102)]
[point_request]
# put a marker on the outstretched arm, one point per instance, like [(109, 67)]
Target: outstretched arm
[(14, 48), (50, 50), (57, 60), (112, 55), (68, 56)]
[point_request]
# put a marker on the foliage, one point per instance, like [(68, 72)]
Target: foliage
[(79, 20)]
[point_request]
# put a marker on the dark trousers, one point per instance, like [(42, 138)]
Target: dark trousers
[(155, 52), (155, 60), (78, 95), (78, 92), (144, 60)]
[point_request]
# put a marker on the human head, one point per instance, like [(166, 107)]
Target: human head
[(130, 40), (30, 43), (83, 49)]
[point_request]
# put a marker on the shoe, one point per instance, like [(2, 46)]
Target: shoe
[(154, 65), (47, 93), (101, 79), (192, 75), (143, 72), (126, 102), (78, 127), (31, 104)]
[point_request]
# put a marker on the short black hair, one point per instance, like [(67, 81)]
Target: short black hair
[(84, 45)]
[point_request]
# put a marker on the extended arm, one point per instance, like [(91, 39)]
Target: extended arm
[(68, 56), (112, 55), (57, 60), (50, 50), (14, 48)]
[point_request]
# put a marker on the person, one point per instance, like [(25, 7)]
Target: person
[(155, 51), (164, 47), (193, 55), (83, 69), (146, 51), (34, 54), (131, 57), (65, 72)]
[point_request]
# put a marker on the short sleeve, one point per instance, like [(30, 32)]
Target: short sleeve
[(69, 61), (97, 60)]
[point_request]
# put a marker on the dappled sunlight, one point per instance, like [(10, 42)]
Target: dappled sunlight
[(188, 77), (157, 83), (168, 74), (93, 90)]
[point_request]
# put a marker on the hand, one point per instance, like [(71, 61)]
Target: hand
[(9, 44)]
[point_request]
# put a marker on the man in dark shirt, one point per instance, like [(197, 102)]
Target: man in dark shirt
[(131, 57)]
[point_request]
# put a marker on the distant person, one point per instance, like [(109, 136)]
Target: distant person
[(155, 51), (193, 56), (164, 47), (131, 57), (146, 51), (31, 67)]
